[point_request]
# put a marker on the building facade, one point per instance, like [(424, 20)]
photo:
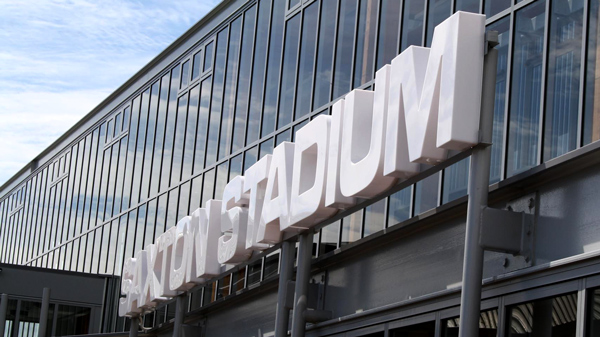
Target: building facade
[(243, 80)]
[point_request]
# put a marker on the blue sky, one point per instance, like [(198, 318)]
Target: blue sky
[(59, 59)]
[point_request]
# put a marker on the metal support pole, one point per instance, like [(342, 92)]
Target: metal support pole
[(479, 180), (44, 313), (282, 314), (134, 326), (302, 278), (3, 309), (179, 314)]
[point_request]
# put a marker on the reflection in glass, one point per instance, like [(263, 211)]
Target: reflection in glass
[(326, 43), (160, 134), (551, 317), (266, 147), (239, 277), (131, 230), (184, 201), (307, 60), (102, 237), (467, 6), (197, 65), (288, 76), (72, 320), (330, 235), (243, 90), (235, 166), (209, 185), (412, 23), (203, 112), (283, 137), (190, 133), (29, 319), (222, 171), (526, 89), (345, 42), (250, 157), (224, 286), (564, 67), (229, 100), (493, 7), (365, 42), (503, 29), (172, 208), (169, 130), (456, 179), (351, 228), (254, 272), (593, 314), (185, 74), (426, 193), (196, 193), (139, 148), (217, 98), (208, 57), (591, 125), (387, 45), (179, 140), (271, 264), (488, 325), (258, 72), (375, 217), (439, 10), (272, 80), (112, 246), (150, 135), (161, 215)]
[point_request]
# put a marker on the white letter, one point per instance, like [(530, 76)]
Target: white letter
[(165, 249), (255, 183), (310, 168), (234, 220), (183, 249), (207, 222), (276, 206)]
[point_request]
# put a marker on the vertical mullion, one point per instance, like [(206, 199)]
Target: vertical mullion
[(298, 59), (267, 54), (376, 42), (508, 93), (314, 67), (583, 69), (354, 41), (582, 308), (400, 22), (425, 21), (540, 140)]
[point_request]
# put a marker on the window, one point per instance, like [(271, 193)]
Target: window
[(550, 317), (488, 325)]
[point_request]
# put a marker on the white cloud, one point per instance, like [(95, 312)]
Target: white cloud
[(60, 58)]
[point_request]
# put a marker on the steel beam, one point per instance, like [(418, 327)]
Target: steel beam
[(3, 309), (479, 180), (282, 314), (44, 313), (134, 326), (302, 279), (179, 315)]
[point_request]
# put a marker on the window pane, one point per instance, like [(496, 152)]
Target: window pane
[(222, 172), (288, 77), (235, 166), (258, 73), (562, 94), (351, 228), (266, 147), (412, 23), (190, 133), (426, 193), (365, 42), (330, 236), (387, 45), (208, 56), (345, 39), (552, 317), (254, 271), (439, 10), (72, 320), (493, 7), (179, 141), (150, 135), (526, 89), (326, 40), (467, 6), (197, 65), (165, 179), (161, 214), (139, 148), (283, 137), (250, 157), (456, 180), (271, 265), (160, 135), (185, 74), (503, 29), (272, 80), (209, 186), (203, 112), (217, 98), (593, 314), (375, 217), (172, 208), (426, 329), (241, 109), (307, 60), (591, 126), (196, 194), (231, 82), (184, 201)]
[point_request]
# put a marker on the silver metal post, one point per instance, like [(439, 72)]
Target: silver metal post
[(302, 278), (44, 313), (282, 314), (179, 314), (3, 309), (479, 180), (134, 326)]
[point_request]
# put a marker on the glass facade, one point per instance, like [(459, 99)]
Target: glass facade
[(264, 73)]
